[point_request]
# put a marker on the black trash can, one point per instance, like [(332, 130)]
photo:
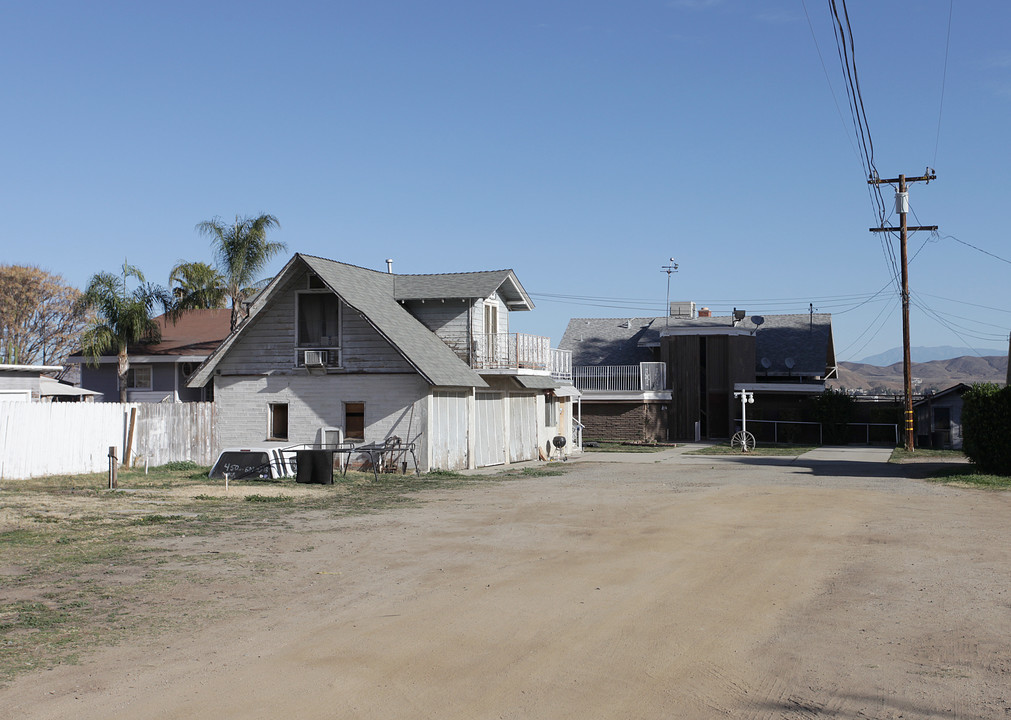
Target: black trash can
[(314, 466)]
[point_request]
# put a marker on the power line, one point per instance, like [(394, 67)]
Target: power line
[(977, 249), (831, 89)]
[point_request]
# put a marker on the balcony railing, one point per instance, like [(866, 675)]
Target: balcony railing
[(644, 377), (510, 351)]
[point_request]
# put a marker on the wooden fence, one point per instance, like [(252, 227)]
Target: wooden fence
[(39, 439)]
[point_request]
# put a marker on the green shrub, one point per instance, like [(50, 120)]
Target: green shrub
[(986, 427), (833, 409)]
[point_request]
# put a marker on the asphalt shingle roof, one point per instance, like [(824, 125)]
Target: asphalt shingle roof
[(463, 285), (804, 338), (376, 296)]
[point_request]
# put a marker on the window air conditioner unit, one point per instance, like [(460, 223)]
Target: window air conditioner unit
[(315, 358)]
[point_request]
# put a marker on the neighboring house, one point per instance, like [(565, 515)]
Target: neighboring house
[(24, 383), (938, 418), (159, 371), (332, 349), (674, 378)]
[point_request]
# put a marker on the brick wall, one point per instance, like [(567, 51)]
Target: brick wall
[(625, 422)]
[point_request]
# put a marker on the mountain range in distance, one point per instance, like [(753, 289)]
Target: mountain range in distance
[(927, 354), (931, 375)]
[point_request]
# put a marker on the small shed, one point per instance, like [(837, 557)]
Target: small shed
[(938, 418), (22, 383)]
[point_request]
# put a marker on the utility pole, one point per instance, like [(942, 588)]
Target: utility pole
[(902, 207), (673, 267)]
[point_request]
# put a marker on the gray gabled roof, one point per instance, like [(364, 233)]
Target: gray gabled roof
[(608, 341), (464, 285), (371, 294), (806, 339)]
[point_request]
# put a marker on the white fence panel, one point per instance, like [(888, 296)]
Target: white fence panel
[(38, 439)]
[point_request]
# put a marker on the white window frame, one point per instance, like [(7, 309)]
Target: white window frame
[(270, 421), (135, 369)]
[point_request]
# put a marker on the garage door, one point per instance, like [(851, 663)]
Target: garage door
[(490, 428), (522, 427)]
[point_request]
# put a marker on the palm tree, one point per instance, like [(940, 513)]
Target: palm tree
[(120, 319), (241, 251), (198, 286)]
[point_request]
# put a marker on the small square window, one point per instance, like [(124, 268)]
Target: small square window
[(277, 421), (138, 377)]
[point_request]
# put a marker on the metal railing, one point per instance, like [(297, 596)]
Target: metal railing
[(644, 377), (799, 431)]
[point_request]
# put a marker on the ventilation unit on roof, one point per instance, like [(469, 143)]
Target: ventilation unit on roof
[(682, 309)]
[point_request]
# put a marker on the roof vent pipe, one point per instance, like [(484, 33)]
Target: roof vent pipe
[(389, 265)]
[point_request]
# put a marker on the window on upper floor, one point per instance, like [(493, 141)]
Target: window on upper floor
[(318, 320)]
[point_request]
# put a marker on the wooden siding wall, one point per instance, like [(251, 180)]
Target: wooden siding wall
[(442, 316), (38, 439), (22, 382), (503, 315), (728, 360), (681, 353), (316, 401), (269, 343)]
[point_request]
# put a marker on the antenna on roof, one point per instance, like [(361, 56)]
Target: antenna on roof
[(672, 268)]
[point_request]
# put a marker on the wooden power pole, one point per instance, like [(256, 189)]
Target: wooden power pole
[(902, 207)]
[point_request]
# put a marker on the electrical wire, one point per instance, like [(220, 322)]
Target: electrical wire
[(891, 307), (831, 89)]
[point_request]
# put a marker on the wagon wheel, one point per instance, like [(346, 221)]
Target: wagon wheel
[(743, 441)]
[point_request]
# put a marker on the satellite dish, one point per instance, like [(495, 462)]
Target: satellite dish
[(757, 319), (789, 362), (766, 363)]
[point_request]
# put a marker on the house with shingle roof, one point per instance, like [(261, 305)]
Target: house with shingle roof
[(674, 377), (160, 371), (427, 359)]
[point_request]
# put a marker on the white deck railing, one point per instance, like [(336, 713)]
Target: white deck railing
[(561, 364), (510, 351), (644, 377)]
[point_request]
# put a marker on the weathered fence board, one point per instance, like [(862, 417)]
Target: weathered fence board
[(39, 439)]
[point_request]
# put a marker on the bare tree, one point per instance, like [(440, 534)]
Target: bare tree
[(40, 317)]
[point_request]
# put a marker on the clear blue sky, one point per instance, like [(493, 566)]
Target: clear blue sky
[(581, 143)]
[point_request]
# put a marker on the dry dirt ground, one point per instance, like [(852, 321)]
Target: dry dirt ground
[(633, 587)]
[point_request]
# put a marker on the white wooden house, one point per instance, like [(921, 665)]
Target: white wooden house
[(428, 359)]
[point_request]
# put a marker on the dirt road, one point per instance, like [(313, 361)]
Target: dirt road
[(668, 587)]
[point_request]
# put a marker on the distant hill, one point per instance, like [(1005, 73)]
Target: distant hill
[(934, 375), (927, 354)]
